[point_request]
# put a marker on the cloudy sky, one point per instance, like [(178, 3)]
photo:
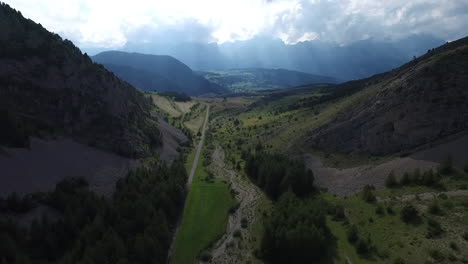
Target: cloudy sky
[(112, 23)]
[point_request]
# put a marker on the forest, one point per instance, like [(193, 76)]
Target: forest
[(276, 174), (135, 225), (296, 231)]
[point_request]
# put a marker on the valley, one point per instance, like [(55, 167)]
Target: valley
[(137, 158)]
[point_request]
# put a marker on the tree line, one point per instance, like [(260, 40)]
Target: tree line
[(276, 174), (296, 231), (135, 225)]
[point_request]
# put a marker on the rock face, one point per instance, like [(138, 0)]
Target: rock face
[(422, 101), (49, 88)]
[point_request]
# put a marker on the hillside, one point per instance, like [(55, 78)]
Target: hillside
[(50, 88), (245, 80), (143, 80), (176, 72), (418, 103)]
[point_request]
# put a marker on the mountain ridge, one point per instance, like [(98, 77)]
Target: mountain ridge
[(165, 66), (49, 89)]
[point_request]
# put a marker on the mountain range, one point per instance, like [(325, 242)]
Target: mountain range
[(355, 60)]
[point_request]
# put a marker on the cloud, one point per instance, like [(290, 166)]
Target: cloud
[(346, 21), (113, 23)]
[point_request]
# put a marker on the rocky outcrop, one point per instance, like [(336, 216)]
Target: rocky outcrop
[(421, 102), (49, 88)]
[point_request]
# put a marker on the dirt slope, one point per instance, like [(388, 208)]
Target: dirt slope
[(47, 162), (345, 182), (421, 102)]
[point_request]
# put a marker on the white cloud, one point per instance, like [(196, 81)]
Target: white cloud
[(111, 23)]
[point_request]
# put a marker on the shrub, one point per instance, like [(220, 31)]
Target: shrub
[(435, 209), (244, 223), (338, 213), (465, 236), (364, 247), (237, 233), (405, 179), (437, 255), (352, 234), (380, 210), (206, 257), (391, 181), (446, 166), (399, 260), (465, 168), (454, 246), (368, 194), (433, 229), (409, 214)]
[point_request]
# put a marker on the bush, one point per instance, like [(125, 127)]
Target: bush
[(237, 233), (465, 236), (244, 223), (433, 229), (446, 166), (465, 168), (391, 181), (405, 179), (436, 255), (338, 212), (368, 194), (454, 246), (206, 257), (409, 214), (352, 234), (364, 247), (435, 209), (380, 210)]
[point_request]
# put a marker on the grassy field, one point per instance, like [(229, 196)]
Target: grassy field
[(395, 241), (196, 123), (205, 216), (171, 107)]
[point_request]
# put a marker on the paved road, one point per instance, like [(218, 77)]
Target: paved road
[(199, 148)]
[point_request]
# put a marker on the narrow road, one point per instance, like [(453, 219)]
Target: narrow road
[(190, 179), (199, 148)]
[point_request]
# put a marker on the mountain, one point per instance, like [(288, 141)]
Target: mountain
[(141, 79), (419, 103), (167, 67), (243, 80), (355, 60), (50, 89)]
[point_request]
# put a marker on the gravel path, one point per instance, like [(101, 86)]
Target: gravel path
[(190, 179), (199, 148), (230, 249)]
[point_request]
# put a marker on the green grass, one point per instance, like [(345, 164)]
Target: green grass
[(204, 219), (392, 237)]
